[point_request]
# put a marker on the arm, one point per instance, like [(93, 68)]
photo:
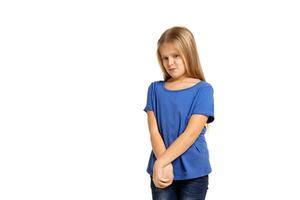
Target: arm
[(184, 141), (157, 143), (166, 175)]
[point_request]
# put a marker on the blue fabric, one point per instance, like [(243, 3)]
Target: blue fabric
[(173, 109), (195, 189)]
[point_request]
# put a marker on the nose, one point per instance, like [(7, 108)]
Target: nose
[(171, 61)]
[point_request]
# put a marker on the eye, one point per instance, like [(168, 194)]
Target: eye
[(165, 58), (177, 56)]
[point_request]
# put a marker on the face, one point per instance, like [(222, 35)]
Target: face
[(172, 61)]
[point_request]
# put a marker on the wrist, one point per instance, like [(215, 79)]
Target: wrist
[(160, 162)]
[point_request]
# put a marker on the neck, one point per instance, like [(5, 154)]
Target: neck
[(180, 79)]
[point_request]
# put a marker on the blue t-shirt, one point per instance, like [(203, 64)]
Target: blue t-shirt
[(173, 109)]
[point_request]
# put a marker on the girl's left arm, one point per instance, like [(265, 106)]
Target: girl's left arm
[(184, 141)]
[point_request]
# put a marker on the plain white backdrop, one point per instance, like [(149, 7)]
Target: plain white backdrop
[(73, 85)]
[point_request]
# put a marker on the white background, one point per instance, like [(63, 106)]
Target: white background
[(73, 85)]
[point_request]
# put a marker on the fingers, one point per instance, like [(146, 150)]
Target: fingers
[(163, 184), (163, 180)]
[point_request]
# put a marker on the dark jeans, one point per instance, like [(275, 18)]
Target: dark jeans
[(191, 189)]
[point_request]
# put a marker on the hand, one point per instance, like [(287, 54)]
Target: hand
[(168, 172), (162, 176)]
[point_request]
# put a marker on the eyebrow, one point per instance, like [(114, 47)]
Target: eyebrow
[(173, 53)]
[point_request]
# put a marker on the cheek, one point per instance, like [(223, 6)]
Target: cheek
[(165, 63), (180, 62)]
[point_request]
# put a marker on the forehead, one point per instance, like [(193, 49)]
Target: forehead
[(168, 48)]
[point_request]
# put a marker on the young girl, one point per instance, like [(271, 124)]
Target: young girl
[(178, 110)]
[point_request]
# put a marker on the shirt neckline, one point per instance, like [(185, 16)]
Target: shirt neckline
[(163, 86)]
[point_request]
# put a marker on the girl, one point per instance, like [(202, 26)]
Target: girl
[(178, 110)]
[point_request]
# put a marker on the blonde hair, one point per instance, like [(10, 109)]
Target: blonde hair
[(184, 42)]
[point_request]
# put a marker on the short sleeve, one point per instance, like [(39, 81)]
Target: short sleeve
[(149, 103), (204, 103)]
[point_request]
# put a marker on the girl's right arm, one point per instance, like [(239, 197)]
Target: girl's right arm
[(157, 142), (159, 148)]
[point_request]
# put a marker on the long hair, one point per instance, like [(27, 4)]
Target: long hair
[(184, 42)]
